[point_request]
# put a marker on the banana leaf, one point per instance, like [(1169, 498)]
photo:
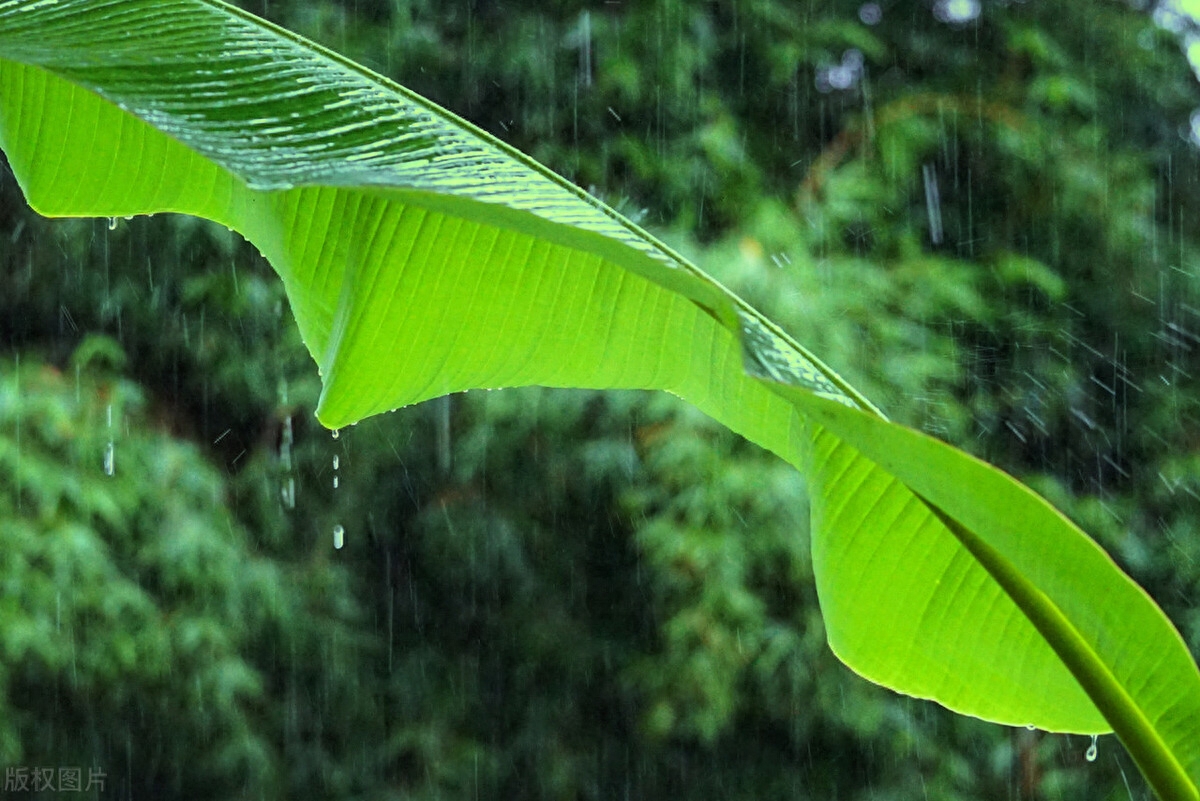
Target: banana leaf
[(422, 256)]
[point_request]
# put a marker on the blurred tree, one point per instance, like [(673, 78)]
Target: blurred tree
[(975, 210)]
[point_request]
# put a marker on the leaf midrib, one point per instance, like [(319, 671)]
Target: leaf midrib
[(1160, 766)]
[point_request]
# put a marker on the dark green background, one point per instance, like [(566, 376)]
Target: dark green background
[(582, 595)]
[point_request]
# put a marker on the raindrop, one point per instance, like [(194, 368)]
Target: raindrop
[(339, 536), (933, 203), (444, 453), (110, 455), (288, 490), (585, 50), (1090, 756), (285, 443), (336, 464)]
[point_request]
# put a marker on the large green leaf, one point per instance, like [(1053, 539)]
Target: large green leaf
[(969, 545), (422, 257)]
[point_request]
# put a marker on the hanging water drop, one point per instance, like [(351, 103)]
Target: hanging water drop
[(1090, 756), (339, 536), (336, 433), (112, 223)]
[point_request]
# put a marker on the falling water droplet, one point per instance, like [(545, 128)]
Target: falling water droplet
[(335, 462), (339, 536), (1090, 756), (288, 490), (110, 455)]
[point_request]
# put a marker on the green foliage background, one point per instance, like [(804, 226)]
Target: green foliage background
[(588, 595)]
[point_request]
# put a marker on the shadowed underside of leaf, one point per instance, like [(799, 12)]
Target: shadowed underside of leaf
[(422, 257)]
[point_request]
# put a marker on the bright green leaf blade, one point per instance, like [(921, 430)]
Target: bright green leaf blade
[(355, 188), (421, 257), (900, 513)]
